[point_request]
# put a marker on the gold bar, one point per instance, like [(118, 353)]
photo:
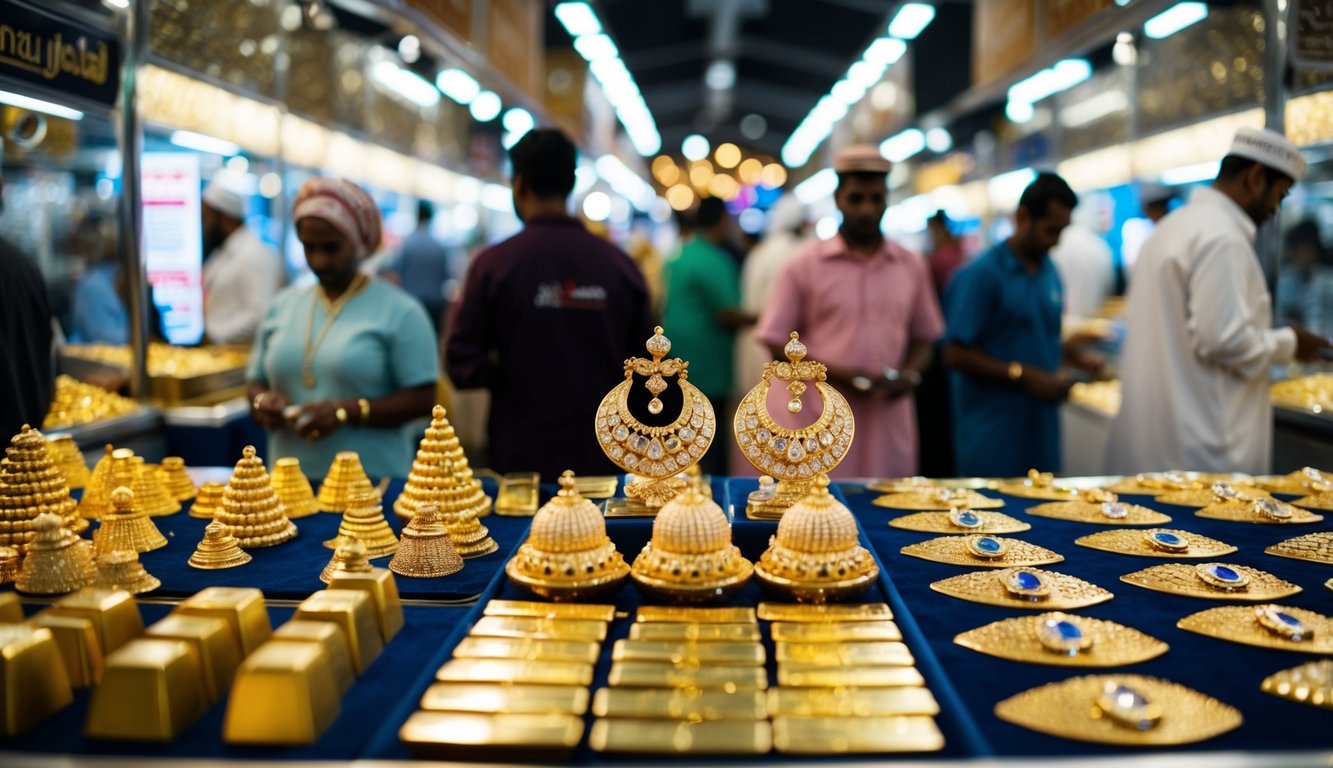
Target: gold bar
[(11, 612), (690, 654), (507, 699), (669, 737), (824, 613), (842, 677), (845, 654), (113, 612), (328, 636), (79, 647), (487, 738), (285, 693), (537, 610), (242, 608), (212, 639), (696, 615), (596, 486), (837, 735), (709, 633), (151, 691), (851, 702), (692, 705), (839, 632), (33, 683), (512, 671), (524, 649), (539, 629), (354, 612), (383, 590), (649, 674)]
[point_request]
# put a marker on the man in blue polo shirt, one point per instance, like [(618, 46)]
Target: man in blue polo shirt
[(1003, 344)]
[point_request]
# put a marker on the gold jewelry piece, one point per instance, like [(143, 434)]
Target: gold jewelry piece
[(902, 484), (1062, 640), (341, 415), (1155, 542), (1252, 506), (1198, 494), (942, 499), (1015, 371), (1023, 588), (1265, 626), (960, 520), (1037, 485), (1099, 508), (1315, 547), (1128, 710), (1298, 483), (655, 453), (364, 405), (1310, 683), (332, 310), (690, 557), (816, 555), (982, 550), (1212, 581), (1159, 483), (259, 398)]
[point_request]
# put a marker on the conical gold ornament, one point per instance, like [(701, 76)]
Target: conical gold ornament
[(127, 527), (568, 555), (30, 485), (96, 499), (218, 550), (175, 479), (121, 569), (250, 509), (350, 556), (364, 520), (69, 460), (346, 476), (294, 490), (690, 557), (153, 496), (441, 475), (58, 562), (208, 501), (9, 564), (425, 550), (816, 556)]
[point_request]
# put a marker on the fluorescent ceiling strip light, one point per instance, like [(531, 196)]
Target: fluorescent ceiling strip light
[(405, 83), (911, 20), (202, 143), (885, 50), (596, 47), (578, 19), (817, 187), (458, 85), (1191, 174), (903, 145), (497, 197), (37, 105), (1174, 19), (1093, 108)]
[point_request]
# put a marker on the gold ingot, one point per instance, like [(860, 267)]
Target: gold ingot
[(526, 649), (696, 615), (678, 737), (175, 479), (127, 526), (208, 500), (518, 495), (514, 671), (354, 612), (823, 614), (79, 646), (348, 556), (293, 488), (326, 635), (11, 611), (803, 676), (550, 610), (695, 706), (862, 735), (113, 612), (649, 674), (9, 564), (539, 629), (867, 654), (835, 632), (151, 691), (69, 460), (285, 693), (425, 550), (121, 569), (219, 653), (492, 698), (218, 550), (383, 590), (694, 633), (690, 654), (33, 681), (486, 737), (241, 607), (57, 562), (568, 555), (851, 702)]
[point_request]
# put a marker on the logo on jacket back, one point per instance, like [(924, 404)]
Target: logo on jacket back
[(569, 295)]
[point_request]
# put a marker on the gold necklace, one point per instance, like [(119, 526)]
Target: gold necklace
[(334, 309)]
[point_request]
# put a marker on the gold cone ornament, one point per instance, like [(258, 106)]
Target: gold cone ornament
[(425, 550), (441, 475), (568, 555), (364, 520), (57, 562), (250, 509), (208, 501), (350, 556), (9, 564), (175, 479), (154, 497), (816, 556), (96, 499), (69, 460), (218, 550), (690, 557), (127, 527), (30, 485), (121, 569), (346, 476), (293, 488)]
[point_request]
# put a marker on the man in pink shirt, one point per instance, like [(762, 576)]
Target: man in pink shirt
[(867, 309)]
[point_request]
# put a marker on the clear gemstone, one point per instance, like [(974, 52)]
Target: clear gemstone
[(1114, 510), (780, 444), (839, 450), (701, 441), (670, 463), (749, 409), (829, 461), (1128, 707), (1225, 491), (621, 432), (1272, 509), (687, 434), (655, 449), (763, 435), (672, 444), (804, 470), (631, 461), (752, 451), (795, 452), (700, 409), (605, 436), (744, 438), (751, 423), (780, 468), (613, 419), (601, 423), (765, 461), (708, 429), (617, 452), (825, 438), (696, 421), (656, 468), (811, 444), (639, 443), (696, 451)]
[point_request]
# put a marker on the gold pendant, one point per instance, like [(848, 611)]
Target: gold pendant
[(1212, 581), (1155, 542), (941, 499), (1062, 640), (960, 521), (1310, 683), (1023, 588), (1265, 626), (1201, 495), (1259, 510), (1037, 485), (1315, 547), (982, 550)]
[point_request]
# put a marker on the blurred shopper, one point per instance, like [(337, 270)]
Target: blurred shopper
[(1302, 270), (935, 437), (27, 381), (946, 253), (1003, 344), (1199, 342), (422, 266), (1156, 200), (865, 307), (349, 363), (241, 274), (100, 315), (1084, 261), (545, 321)]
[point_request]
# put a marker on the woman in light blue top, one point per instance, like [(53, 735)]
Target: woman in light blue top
[(348, 364)]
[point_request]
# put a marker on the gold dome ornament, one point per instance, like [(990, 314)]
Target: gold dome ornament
[(208, 501), (69, 460), (218, 550), (816, 557), (655, 455), (57, 562), (96, 499), (364, 520), (121, 569), (346, 476), (30, 485), (127, 527), (293, 488), (793, 456), (175, 479), (425, 550), (350, 556), (568, 555), (441, 476), (690, 558), (250, 509)]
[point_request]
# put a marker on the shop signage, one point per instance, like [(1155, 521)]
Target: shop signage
[(58, 54), (1313, 42), (173, 242), (1004, 35)]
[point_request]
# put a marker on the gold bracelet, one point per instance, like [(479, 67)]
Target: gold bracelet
[(341, 413), (1015, 371), (364, 405)]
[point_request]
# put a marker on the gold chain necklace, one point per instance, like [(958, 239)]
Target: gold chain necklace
[(334, 309)]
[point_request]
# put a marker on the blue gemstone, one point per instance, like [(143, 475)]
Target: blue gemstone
[(1169, 539), (968, 519), (1068, 630), (1026, 580), (1288, 619), (987, 544), (1223, 573)]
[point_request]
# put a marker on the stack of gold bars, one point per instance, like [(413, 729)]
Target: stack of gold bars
[(76, 403)]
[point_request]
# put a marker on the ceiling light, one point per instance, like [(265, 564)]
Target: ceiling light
[(37, 105), (1190, 174), (885, 50), (1018, 112), (458, 85), (596, 47), (486, 106), (773, 176), (720, 76), (694, 147), (1009, 186), (865, 73), (884, 96), (938, 140), (751, 171), (1093, 108), (817, 187), (728, 155), (117, 3), (201, 143), (826, 227), (410, 48), (903, 145), (680, 197), (578, 19), (910, 20), (848, 92), (497, 197), (405, 83), (1174, 19), (518, 121)]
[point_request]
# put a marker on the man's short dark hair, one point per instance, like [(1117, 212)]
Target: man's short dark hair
[(866, 176), (545, 158), (425, 211), (1047, 188), (711, 211), (1234, 165)]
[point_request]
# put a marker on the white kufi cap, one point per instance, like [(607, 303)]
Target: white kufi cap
[(1270, 148)]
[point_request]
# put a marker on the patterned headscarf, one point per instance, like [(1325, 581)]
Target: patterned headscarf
[(346, 206)]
